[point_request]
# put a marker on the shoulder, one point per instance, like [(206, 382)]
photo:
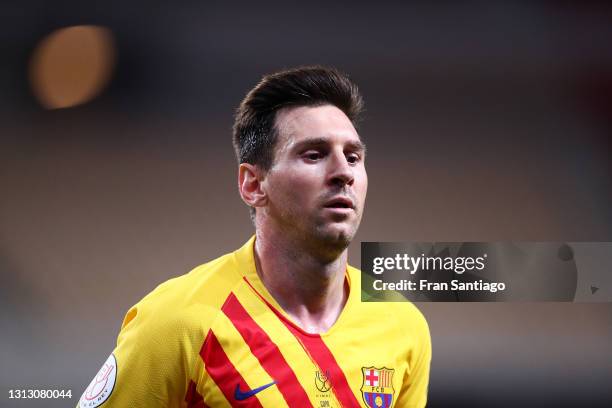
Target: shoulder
[(203, 285), (187, 304), (402, 315), (157, 350)]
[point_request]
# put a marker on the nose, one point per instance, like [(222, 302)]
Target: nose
[(340, 171)]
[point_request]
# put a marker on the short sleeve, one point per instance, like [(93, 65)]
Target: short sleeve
[(416, 380), (145, 369)]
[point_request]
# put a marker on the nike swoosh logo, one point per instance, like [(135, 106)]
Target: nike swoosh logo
[(240, 396)]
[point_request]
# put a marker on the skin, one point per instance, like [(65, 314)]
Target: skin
[(301, 233)]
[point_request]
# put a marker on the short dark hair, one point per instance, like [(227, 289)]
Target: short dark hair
[(254, 133)]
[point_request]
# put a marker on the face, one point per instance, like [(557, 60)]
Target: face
[(317, 185)]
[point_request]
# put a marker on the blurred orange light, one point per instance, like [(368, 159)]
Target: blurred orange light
[(72, 65)]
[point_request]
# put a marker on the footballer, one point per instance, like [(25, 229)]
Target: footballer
[(278, 322)]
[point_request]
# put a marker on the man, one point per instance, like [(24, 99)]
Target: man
[(278, 322)]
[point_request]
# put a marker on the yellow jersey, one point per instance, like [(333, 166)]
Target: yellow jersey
[(215, 337)]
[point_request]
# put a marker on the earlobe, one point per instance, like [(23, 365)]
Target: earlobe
[(250, 185)]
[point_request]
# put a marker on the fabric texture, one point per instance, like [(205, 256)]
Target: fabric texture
[(215, 337)]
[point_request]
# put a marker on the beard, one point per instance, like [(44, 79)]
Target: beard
[(323, 238), (332, 241)]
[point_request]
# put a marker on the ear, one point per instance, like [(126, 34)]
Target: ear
[(250, 179)]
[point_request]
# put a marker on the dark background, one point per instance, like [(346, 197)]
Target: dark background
[(485, 121)]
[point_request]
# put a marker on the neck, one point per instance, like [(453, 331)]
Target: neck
[(310, 290)]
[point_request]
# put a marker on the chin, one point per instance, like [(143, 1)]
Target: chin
[(336, 239), (327, 245)]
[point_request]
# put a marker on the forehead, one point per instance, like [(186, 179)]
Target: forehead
[(297, 124)]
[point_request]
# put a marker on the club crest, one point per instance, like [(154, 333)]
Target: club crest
[(377, 389)]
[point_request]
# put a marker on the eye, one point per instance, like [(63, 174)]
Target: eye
[(312, 155), (353, 158)]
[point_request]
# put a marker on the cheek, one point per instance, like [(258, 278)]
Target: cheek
[(291, 187), (363, 185)]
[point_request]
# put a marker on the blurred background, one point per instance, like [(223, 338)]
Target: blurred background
[(485, 121)]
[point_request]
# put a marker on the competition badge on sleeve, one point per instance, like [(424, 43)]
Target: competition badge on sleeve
[(377, 389), (101, 386)]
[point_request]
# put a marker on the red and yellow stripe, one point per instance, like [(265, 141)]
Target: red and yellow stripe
[(266, 347)]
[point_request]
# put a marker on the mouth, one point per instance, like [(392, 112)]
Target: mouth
[(340, 203)]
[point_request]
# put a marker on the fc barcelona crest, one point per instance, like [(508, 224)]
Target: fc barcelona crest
[(377, 389)]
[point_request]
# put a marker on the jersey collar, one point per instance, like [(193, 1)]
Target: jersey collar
[(245, 259)]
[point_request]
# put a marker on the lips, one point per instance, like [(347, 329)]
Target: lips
[(340, 202)]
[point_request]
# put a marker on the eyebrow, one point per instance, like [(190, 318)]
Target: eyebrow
[(320, 141)]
